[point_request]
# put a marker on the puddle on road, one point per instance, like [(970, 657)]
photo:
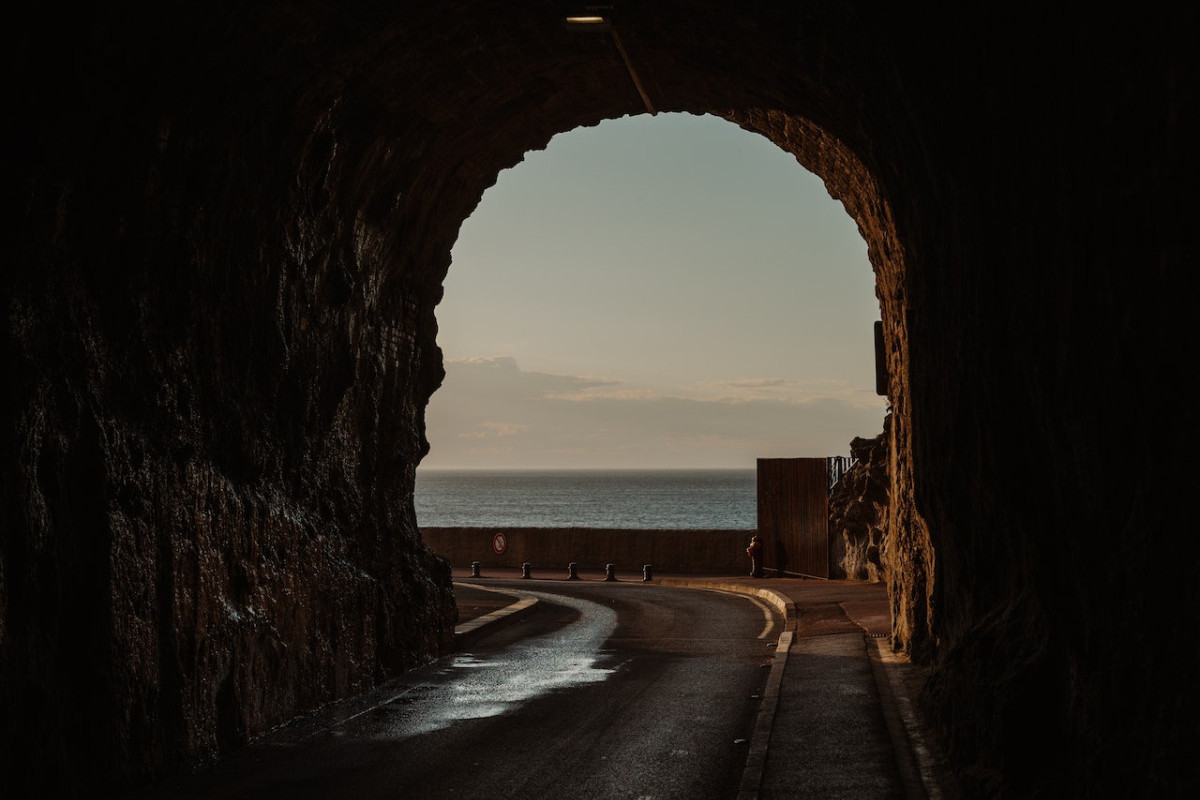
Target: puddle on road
[(468, 686)]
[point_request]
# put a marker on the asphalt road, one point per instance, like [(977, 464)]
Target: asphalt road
[(605, 690)]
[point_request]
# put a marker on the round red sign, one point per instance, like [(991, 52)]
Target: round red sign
[(499, 543)]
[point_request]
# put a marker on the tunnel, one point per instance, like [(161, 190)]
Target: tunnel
[(228, 231)]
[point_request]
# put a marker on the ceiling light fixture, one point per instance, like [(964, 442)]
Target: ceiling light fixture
[(588, 18), (589, 22), (598, 18)]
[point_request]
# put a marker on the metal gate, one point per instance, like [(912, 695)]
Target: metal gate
[(793, 515)]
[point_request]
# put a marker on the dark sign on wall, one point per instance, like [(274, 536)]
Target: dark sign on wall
[(881, 373)]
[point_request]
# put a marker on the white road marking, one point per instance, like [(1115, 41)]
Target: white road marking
[(767, 611)]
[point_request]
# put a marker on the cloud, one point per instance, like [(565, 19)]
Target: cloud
[(605, 391), (494, 430), (755, 383), (501, 374), (814, 390), (490, 413)]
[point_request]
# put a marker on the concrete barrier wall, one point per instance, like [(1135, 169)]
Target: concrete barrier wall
[(695, 552)]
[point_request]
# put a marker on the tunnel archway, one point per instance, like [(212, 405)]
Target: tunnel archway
[(656, 292), (233, 232), (565, 80)]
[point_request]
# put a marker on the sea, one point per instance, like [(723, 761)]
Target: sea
[(643, 499)]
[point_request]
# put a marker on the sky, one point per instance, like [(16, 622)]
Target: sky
[(665, 291)]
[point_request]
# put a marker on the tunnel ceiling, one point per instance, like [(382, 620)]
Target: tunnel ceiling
[(434, 104)]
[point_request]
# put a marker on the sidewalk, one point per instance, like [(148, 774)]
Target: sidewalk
[(837, 718)]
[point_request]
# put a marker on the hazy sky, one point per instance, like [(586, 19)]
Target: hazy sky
[(657, 291)]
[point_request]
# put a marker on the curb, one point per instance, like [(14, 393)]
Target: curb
[(469, 632), (915, 769), (783, 604), (914, 759), (756, 759)]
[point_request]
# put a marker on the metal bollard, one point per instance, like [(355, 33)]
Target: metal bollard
[(647, 572), (610, 572), (525, 569), (474, 569), (572, 572)]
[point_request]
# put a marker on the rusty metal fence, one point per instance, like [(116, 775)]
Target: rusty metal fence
[(793, 515)]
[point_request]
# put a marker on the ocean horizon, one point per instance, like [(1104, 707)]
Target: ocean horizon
[(668, 499)]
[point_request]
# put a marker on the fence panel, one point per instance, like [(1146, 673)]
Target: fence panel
[(793, 515)]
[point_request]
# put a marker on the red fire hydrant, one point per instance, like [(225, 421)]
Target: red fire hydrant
[(755, 553)]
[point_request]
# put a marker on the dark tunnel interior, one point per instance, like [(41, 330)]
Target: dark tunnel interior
[(228, 233)]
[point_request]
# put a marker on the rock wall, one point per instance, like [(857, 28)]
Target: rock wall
[(858, 511), (232, 224), (213, 412)]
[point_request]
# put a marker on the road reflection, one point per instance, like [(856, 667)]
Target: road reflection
[(468, 686)]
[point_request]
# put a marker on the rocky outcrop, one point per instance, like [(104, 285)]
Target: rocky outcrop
[(858, 511)]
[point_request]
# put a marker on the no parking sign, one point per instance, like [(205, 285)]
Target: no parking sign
[(499, 543)]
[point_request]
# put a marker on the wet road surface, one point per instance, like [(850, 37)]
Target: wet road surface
[(605, 690)]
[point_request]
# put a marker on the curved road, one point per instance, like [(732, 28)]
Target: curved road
[(605, 690)]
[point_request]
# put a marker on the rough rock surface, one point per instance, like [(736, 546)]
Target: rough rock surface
[(858, 511), (230, 227), (213, 407)]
